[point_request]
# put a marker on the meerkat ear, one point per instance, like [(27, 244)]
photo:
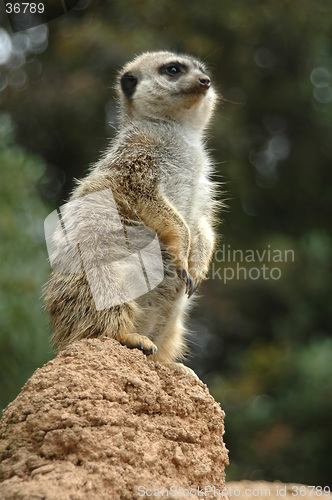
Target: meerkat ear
[(128, 84)]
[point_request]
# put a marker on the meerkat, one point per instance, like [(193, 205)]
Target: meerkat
[(158, 170)]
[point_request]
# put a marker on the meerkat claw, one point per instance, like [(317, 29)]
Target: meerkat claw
[(185, 276), (182, 273), (191, 289), (194, 289)]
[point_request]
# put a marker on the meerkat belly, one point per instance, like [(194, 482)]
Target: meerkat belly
[(162, 302)]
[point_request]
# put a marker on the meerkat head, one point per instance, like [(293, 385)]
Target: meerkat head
[(167, 87)]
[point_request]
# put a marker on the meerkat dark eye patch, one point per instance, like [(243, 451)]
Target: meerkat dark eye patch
[(173, 69), (128, 84)]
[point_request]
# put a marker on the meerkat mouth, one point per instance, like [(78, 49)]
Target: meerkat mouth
[(195, 90), (200, 87)]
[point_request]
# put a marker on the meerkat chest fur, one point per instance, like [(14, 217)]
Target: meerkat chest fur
[(184, 174)]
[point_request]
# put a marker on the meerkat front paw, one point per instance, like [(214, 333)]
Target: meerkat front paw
[(197, 281), (185, 276), (136, 341), (192, 280), (179, 367)]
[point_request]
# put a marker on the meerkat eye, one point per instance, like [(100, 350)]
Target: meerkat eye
[(172, 69)]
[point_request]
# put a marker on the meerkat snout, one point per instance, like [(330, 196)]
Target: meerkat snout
[(204, 82)]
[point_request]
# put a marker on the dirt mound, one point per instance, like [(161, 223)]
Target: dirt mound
[(100, 421)]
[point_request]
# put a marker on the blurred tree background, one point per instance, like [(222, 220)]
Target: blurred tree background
[(262, 343)]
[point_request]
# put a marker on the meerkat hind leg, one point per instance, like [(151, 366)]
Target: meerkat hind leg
[(122, 323), (171, 343), (134, 340)]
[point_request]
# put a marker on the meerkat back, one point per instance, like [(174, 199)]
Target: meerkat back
[(140, 224)]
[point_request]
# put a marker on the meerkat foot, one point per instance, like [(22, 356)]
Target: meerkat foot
[(179, 367), (136, 341), (185, 276)]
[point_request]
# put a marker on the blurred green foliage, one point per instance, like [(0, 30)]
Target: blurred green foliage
[(278, 411), (263, 346), (24, 267)]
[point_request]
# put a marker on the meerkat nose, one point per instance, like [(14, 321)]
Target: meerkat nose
[(204, 82)]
